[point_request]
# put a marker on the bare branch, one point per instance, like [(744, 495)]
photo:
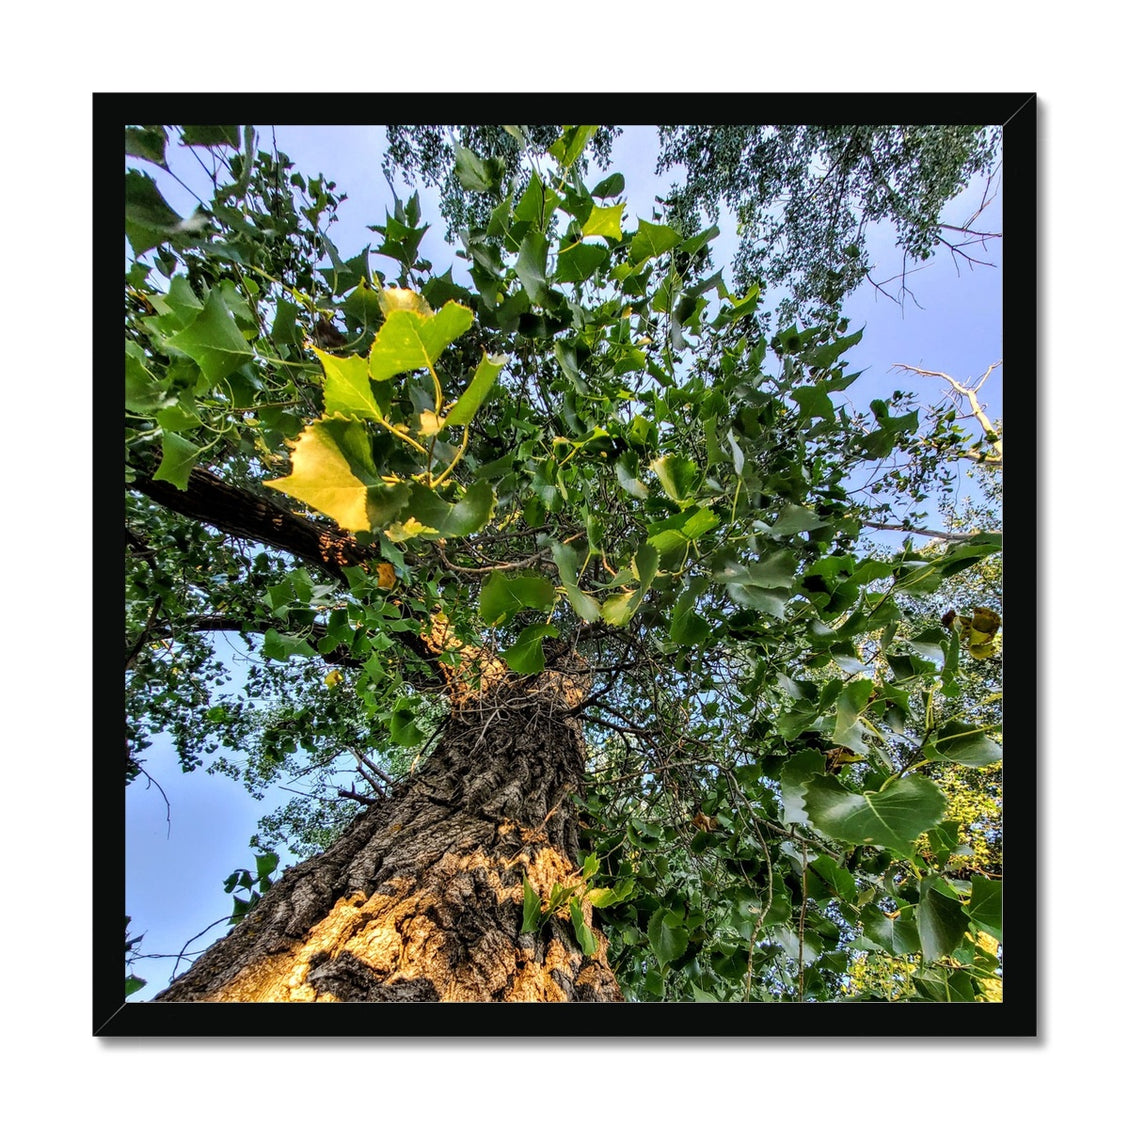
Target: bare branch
[(938, 533), (991, 433)]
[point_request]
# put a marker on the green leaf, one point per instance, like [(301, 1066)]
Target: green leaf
[(679, 530), (687, 627), (345, 277), (813, 402), (667, 936), (604, 222), (839, 881), (175, 418), (332, 471), (571, 144), (619, 609), (773, 571), (794, 776), (985, 906), (848, 707), (738, 453), (265, 864), (895, 935), (447, 519), (481, 383), (823, 356), (585, 938), (602, 896), (211, 135), (692, 246), (475, 174), (610, 186), (213, 340), (892, 818), (178, 457), (348, 387), (795, 519), (531, 907), (531, 266), (147, 142), (558, 895), (504, 594), (144, 394), (941, 921), (283, 647), (627, 475), (149, 219), (413, 338), (740, 309), (537, 203), (527, 656), (651, 240), (580, 261), (678, 476), (567, 563), (402, 727), (963, 744)]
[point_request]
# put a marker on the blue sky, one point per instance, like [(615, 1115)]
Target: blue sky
[(175, 866)]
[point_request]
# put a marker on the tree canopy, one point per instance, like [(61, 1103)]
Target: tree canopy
[(804, 196), (586, 455)]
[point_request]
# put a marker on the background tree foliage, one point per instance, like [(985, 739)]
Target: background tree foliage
[(592, 449), (804, 196)]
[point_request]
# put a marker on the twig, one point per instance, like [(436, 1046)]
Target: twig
[(927, 532), (218, 921), (349, 794)]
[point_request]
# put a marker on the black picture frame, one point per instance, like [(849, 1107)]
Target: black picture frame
[(1015, 1016)]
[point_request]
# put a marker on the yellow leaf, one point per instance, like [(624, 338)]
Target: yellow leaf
[(985, 621), (324, 479), (385, 575), (978, 632), (395, 298), (406, 530), (333, 678), (604, 222)]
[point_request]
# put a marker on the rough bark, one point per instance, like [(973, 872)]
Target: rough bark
[(421, 898), (242, 514)]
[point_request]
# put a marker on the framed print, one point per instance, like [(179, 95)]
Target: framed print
[(563, 564)]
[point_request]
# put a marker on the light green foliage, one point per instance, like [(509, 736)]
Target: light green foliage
[(587, 444)]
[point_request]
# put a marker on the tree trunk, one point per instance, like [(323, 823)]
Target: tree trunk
[(422, 897)]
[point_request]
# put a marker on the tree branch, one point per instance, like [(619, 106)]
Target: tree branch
[(238, 512), (969, 393), (927, 532)]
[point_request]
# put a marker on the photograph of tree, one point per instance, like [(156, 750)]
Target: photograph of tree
[(563, 563)]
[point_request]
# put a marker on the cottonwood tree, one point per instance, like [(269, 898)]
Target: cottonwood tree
[(562, 562)]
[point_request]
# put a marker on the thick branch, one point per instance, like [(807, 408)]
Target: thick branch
[(240, 513)]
